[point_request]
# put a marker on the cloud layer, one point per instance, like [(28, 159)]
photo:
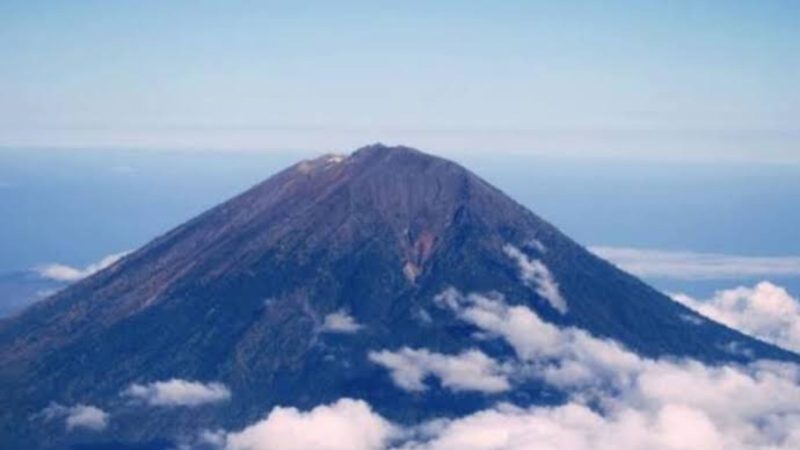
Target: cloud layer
[(177, 392), (696, 266), (765, 311), (617, 399), (344, 425)]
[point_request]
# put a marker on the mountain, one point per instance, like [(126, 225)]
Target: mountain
[(281, 293)]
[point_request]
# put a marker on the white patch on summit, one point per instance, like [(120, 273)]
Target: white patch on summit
[(533, 271), (335, 159)]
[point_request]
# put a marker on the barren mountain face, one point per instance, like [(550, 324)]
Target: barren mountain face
[(288, 294)]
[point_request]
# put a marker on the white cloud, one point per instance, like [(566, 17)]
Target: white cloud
[(533, 271), (340, 322), (617, 400), (470, 370), (639, 402), (85, 416), (574, 427), (667, 406), (65, 273), (344, 425), (696, 266), (177, 392), (568, 356), (79, 416), (765, 311)]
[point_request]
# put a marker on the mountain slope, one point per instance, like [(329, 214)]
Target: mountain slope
[(241, 295)]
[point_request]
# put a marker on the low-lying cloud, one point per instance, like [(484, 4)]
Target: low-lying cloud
[(666, 406), (619, 399), (340, 322), (686, 265), (344, 425), (81, 416), (534, 272), (565, 357), (177, 392), (616, 399), (765, 311), (470, 370), (69, 274)]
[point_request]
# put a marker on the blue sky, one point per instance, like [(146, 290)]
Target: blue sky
[(647, 125), (678, 80)]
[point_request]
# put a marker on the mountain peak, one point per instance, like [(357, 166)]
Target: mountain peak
[(369, 154), (393, 157), (375, 160), (244, 294), (379, 148)]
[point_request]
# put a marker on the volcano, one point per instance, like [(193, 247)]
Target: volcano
[(284, 293)]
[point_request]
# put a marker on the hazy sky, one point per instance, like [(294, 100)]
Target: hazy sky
[(678, 79)]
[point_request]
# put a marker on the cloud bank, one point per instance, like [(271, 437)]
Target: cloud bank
[(765, 311), (344, 425), (665, 407), (69, 274), (567, 357), (696, 266), (617, 399), (177, 392)]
